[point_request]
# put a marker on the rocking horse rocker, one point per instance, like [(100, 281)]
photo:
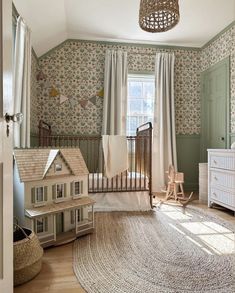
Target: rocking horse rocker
[(175, 188)]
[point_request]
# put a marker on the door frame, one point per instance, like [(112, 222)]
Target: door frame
[(6, 149), (225, 62)]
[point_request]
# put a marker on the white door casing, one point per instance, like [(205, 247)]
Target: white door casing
[(6, 149)]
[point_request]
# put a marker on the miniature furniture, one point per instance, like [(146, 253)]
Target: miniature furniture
[(175, 188), (51, 194), (221, 178)]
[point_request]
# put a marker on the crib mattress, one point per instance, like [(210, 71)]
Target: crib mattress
[(133, 181)]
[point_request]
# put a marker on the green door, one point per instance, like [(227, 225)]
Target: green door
[(215, 108), (59, 223)]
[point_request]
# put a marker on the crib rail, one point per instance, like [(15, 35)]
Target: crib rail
[(137, 178)]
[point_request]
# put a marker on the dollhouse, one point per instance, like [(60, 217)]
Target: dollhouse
[(51, 194)]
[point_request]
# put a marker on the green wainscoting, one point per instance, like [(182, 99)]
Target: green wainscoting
[(188, 153)]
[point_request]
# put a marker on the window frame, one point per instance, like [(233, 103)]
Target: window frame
[(139, 77), (36, 195), (80, 187), (42, 223), (63, 196)]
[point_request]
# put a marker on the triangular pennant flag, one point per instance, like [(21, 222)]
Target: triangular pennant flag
[(63, 99), (93, 100), (53, 92), (83, 103), (41, 76), (100, 93)]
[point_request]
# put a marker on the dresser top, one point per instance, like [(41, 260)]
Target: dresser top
[(222, 150)]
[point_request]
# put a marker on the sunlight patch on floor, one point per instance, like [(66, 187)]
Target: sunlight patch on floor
[(218, 238)]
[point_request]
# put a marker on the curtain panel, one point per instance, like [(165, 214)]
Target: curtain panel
[(21, 82), (115, 93), (164, 134)]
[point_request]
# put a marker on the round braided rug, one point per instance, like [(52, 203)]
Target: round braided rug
[(168, 250)]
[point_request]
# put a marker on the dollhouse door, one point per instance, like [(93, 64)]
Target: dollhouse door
[(6, 149), (59, 223)]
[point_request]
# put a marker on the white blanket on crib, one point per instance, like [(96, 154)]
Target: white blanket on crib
[(115, 154)]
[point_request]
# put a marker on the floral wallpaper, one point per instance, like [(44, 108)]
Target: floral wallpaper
[(34, 113), (216, 51), (76, 70)]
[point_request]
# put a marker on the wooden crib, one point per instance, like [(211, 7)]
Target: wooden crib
[(137, 178)]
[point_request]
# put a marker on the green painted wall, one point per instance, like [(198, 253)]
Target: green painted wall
[(188, 153)]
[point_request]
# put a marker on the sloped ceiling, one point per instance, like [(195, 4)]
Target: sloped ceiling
[(53, 21)]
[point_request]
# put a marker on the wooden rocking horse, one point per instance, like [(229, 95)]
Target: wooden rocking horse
[(175, 189)]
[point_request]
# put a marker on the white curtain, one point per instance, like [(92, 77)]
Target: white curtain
[(164, 135), (115, 93), (22, 74)]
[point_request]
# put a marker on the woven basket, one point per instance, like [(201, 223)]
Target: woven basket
[(27, 255)]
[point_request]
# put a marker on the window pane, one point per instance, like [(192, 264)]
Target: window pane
[(148, 106), (39, 226), (39, 194), (135, 106), (140, 105), (77, 188), (149, 89), (59, 190), (135, 89)]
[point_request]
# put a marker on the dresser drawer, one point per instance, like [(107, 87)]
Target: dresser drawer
[(222, 161), (222, 179), (226, 197)]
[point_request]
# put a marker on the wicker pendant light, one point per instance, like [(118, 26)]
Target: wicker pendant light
[(158, 15)]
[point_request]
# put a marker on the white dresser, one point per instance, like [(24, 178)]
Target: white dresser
[(221, 178)]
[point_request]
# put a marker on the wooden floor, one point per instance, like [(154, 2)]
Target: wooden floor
[(57, 273)]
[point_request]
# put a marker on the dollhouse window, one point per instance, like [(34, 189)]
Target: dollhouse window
[(79, 215), (39, 194), (59, 191), (58, 167), (78, 186), (42, 225)]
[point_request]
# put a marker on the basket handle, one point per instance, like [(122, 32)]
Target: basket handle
[(16, 225)]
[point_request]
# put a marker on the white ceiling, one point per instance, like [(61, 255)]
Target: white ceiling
[(53, 21)]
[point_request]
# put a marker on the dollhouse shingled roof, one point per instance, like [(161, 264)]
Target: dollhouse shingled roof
[(33, 164)]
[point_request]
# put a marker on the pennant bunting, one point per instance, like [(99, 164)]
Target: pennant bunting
[(83, 103), (63, 99), (101, 93), (40, 76), (54, 92)]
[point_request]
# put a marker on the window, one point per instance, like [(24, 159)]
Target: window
[(77, 188), (79, 215), (41, 225), (58, 167), (39, 194), (59, 191), (140, 101)]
